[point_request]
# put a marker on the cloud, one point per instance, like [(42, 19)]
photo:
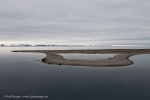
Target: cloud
[(75, 21)]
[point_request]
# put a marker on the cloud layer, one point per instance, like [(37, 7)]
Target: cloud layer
[(75, 21)]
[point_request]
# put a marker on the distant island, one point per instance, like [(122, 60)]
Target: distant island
[(121, 59), (67, 45), (39, 45)]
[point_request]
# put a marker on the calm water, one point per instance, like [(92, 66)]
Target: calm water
[(86, 56), (21, 75)]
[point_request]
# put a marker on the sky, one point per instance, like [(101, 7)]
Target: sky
[(94, 22)]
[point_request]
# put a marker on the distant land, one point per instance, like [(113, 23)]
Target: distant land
[(66, 45), (60, 45)]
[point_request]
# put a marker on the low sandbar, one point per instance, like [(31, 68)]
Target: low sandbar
[(121, 59)]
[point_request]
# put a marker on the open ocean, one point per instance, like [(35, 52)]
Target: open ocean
[(22, 77)]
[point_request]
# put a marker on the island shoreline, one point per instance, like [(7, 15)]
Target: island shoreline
[(121, 59)]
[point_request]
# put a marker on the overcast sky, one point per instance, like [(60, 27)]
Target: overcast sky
[(75, 21)]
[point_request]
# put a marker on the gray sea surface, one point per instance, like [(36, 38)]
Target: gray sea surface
[(86, 56), (22, 76)]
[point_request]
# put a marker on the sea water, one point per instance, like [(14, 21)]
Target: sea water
[(22, 76), (86, 56)]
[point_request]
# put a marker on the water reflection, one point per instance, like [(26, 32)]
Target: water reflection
[(21, 75)]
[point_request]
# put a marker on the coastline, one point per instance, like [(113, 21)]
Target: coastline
[(121, 59)]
